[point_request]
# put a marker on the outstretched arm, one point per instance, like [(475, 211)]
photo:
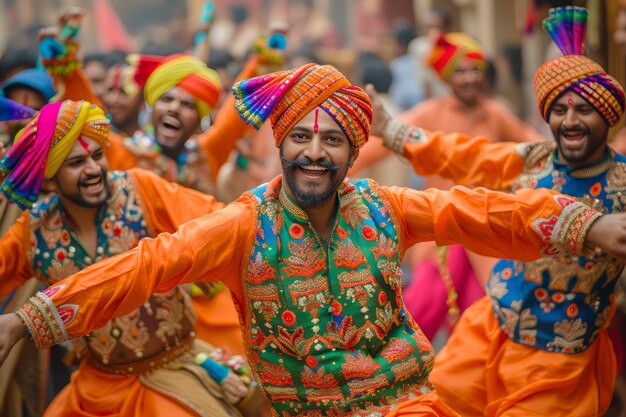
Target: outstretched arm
[(524, 226), (210, 248), (471, 161)]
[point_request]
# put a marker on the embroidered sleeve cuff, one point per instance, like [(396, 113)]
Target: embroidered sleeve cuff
[(572, 227), (396, 134), (43, 321)]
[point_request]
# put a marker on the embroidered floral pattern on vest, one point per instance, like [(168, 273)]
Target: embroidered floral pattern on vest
[(559, 303), (164, 320), (327, 323)]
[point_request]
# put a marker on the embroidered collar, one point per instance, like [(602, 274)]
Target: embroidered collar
[(300, 215), (588, 171)]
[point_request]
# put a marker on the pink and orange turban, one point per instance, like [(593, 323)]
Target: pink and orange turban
[(574, 72), (188, 73), (42, 146), (287, 96), (450, 50)]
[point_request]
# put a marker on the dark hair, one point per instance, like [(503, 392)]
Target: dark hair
[(15, 60), (403, 34), (444, 14), (373, 70)]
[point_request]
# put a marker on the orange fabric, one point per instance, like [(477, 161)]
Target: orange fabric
[(448, 114), (94, 393), (504, 378), (76, 87), (218, 322), (494, 224), (423, 406), (466, 160), (15, 269), (219, 140)]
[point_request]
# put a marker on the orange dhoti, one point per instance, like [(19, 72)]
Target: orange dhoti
[(176, 389), (429, 405), (481, 372), (218, 322)]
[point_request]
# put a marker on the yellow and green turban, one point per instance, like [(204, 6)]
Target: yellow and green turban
[(575, 72), (188, 73), (285, 97), (42, 146)]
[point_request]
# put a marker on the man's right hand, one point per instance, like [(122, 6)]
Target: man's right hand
[(12, 330)]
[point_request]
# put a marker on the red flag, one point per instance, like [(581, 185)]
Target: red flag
[(111, 32)]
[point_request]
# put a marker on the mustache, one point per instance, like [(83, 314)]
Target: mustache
[(582, 130), (298, 163)]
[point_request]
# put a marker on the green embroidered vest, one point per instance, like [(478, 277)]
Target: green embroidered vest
[(329, 331)]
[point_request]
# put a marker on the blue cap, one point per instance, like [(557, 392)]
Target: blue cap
[(33, 78)]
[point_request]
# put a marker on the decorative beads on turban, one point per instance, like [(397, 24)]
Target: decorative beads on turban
[(43, 145), (188, 73), (450, 50), (287, 96), (574, 72)]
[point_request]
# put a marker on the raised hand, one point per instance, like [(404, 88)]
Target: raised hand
[(380, 115)]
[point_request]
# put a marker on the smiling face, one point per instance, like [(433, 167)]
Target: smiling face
[(82, 179), (316, 156), (124, 110), (579, 130), (175, 118), (467, 82)]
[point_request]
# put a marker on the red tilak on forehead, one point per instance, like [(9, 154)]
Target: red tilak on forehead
[(569, 100), (84, 145), (315, 125)]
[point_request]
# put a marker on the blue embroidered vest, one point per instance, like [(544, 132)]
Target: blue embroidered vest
[(559, 304), (329, 332)]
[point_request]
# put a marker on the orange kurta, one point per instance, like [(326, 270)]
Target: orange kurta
[(217, 246), (501, 376), (92, 392), (447, 114)]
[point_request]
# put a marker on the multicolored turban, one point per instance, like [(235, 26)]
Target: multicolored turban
[(188, 73), (574, 72), (287, 96), (450, 50), (43, 145)]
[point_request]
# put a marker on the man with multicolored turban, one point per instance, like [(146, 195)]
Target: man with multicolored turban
[(537, 344), (313, 260), (141, 362), (445, 281), (180, 146)]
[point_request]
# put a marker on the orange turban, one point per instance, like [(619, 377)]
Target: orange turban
[(450, 50), (287, 96), (574, 72), (188, 73)]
